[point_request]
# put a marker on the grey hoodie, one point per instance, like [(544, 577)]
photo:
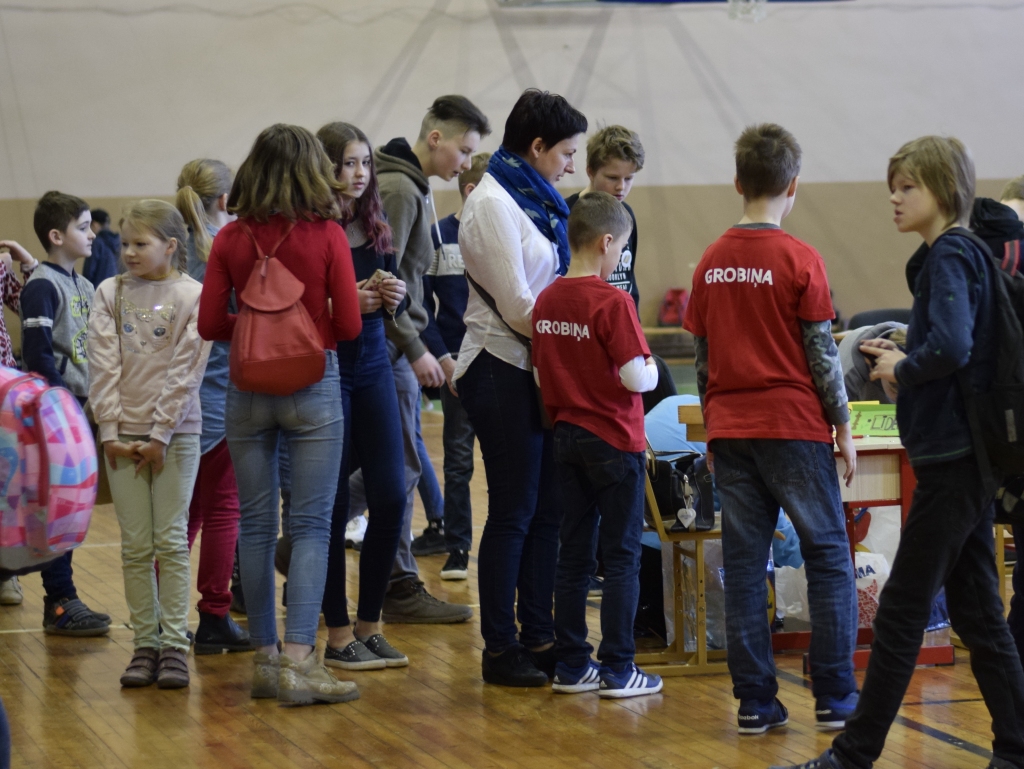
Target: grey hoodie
[(856, 372), (405, 192)]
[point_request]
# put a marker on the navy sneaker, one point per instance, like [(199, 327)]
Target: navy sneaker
[(631, 682), (756, 717), (826, 760), (586, 678), (832, 711)]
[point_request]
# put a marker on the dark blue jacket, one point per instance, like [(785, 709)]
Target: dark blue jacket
[(951, 327), (105, 261), (446, 279)]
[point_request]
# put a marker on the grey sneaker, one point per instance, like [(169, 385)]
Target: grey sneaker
[(10, 592), (306, 682), (355, 656), (378, 645), (265, 676), (408, 602)]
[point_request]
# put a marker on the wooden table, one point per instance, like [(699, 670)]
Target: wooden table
[(884, 477)]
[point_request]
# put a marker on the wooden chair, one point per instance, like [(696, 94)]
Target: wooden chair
[(674, 660)]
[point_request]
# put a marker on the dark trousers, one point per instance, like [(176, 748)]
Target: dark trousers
[(458, 439), (1016, 618), (592, 473), (373, 433), (947, 541), (519, 545), (57, 579), (214, 509)]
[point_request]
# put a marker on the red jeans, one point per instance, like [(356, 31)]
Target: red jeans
[(214, 508)]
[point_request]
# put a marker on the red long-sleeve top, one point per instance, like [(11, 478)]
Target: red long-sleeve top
[(317, 253)]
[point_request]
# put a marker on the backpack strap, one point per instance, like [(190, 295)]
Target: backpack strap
[(1011, 257), (259, 251)]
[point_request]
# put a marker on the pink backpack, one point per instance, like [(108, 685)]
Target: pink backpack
[(48, 471)]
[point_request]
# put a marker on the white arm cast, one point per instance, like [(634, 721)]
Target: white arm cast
[(639, 376)]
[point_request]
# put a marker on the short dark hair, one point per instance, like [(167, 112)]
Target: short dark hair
[(541, 115), (101, 217), (594, 215), (1014, 189), (454, 114), (767, 160), (55, 211)]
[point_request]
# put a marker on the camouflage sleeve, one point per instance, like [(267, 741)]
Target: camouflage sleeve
[(700, 349), (826, 370)]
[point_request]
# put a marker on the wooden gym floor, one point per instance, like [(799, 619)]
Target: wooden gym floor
[(67, 709)]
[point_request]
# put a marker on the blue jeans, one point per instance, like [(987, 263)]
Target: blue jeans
[(458, 439), (430, 491), (373, 436), (947, 540), (593, 474), (754, 479), (311, 425), (519, 545)]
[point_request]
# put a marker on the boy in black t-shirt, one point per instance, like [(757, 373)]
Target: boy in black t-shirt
[(614, 156)]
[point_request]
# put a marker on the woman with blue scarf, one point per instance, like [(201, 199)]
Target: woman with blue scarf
[(514, 241)]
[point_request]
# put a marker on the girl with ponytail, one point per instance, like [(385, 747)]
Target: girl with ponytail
[(202, 199)]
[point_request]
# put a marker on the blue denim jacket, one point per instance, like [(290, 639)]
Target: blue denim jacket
[(213, 391), (951, 327)]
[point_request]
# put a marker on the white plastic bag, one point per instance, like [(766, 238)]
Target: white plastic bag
[(872, 573), (791, 592)]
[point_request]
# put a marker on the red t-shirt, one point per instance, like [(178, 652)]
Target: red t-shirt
[(750, 292), (317, 253), (583, 330)]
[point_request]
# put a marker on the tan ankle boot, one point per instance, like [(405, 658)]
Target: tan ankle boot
[(306, 682)]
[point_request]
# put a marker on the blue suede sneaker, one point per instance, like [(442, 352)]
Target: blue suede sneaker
[(826, 760), (586, 678), (832, 711), (756, 717), (631, 682)]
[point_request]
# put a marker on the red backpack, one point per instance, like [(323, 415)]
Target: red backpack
[(276, 348), (673, 307)]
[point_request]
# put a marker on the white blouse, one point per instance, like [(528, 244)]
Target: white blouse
[(509, 257)]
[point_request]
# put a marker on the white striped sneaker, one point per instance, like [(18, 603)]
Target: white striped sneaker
[(631, 682), (576, 680)]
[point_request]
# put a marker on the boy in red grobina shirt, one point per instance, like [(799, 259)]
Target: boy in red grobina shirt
[(592, 362), (771, 387)]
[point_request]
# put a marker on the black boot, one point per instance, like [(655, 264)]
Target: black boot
[(216, 635)]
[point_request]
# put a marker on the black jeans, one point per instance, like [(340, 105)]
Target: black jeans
[(592, 473), (519, 545), (1016, 618), (458, 472), (947, 541), (373, 434)]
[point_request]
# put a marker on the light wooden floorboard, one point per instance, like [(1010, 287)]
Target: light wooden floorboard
[(68, 710)]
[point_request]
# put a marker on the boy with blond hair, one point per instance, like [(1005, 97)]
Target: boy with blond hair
[(771, 387), (614, 156), (947, 538), (1013, 196), (592, 362)]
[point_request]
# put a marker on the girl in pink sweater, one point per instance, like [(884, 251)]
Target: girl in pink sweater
[(146, 363)]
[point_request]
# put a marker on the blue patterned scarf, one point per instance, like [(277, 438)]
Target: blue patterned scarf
[(534, 194)]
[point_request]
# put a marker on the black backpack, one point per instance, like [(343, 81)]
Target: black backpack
[(996, 417), (684, 492)]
